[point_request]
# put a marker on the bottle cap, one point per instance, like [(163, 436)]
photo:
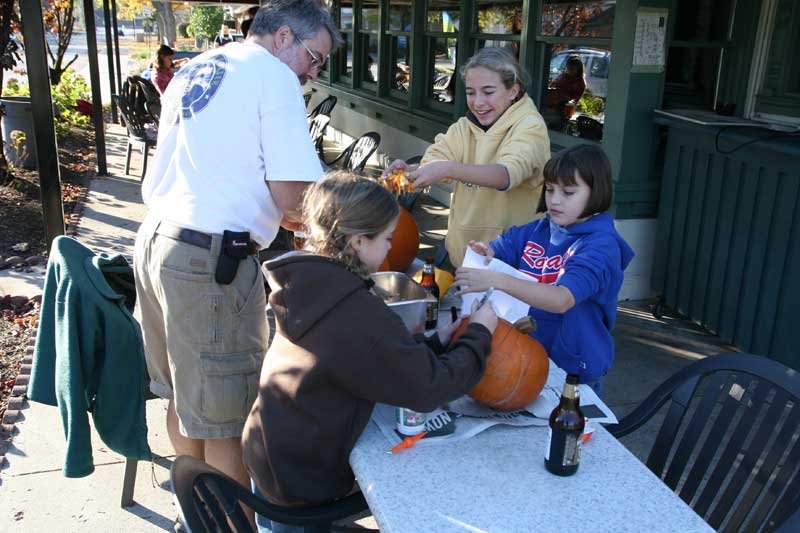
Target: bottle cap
[(429, 260), (573, 379)]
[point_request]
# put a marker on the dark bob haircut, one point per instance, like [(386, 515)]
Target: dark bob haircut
[(592, 165)]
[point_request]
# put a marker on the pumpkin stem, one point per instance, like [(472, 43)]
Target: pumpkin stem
[(525, 325)]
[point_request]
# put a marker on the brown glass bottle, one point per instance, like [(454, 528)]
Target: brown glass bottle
[(562, 455), (429, 284)]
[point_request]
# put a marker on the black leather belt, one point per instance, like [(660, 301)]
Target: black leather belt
[(193, 237)]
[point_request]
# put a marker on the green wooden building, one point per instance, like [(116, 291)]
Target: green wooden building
[(696, 102)]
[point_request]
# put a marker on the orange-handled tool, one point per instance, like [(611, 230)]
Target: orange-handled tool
[(408, 442)]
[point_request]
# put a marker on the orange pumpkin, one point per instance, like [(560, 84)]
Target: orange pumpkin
[(405, 244), (516, 369)]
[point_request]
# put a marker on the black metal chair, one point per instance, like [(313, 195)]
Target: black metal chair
[(325, 107), (354, 158), (728, 445), (210, 501), (316, 129), (138, 136), (589, 128), (152, 100)]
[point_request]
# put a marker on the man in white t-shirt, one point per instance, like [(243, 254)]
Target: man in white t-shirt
[(234, 157)]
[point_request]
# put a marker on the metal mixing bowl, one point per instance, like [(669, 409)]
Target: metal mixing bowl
[(404, 296)]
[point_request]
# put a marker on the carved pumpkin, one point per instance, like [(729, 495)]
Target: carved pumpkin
[(405, 244), (516, 369)]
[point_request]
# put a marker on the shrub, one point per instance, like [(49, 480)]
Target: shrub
[(590, 105), (64, 95), (205, 21)]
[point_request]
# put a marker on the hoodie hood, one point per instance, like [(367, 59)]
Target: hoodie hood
[(601, 223), (305, 288), (511, 117)]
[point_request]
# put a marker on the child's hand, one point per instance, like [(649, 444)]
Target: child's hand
[(446, 332), (429, 173), (482, 249), (475, 280), (397, 164), (484, 315)]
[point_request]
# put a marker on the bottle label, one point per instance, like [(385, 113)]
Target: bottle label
[(567, 447), (549, 442), (410, 422), (572, 449), (432, 311)]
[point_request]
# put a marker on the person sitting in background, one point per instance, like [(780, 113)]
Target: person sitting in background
[(564, 93), (224, 36), (249, 20), (163, 70), (570, 85)]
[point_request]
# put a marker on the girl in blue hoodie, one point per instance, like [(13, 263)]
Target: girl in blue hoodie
[(575, 259)]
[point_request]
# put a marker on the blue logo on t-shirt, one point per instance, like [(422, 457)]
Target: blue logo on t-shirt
[(202, 81)]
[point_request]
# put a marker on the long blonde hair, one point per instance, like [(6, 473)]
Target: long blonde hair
[(340, 206)]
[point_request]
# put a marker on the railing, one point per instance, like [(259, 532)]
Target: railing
[(728, 239)]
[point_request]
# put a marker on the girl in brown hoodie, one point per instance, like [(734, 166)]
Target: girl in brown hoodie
[(339, 349)]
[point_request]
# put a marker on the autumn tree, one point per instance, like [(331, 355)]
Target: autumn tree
[(59, 17), (130, 9)]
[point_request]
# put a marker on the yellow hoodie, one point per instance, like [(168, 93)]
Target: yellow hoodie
[(518, 141)]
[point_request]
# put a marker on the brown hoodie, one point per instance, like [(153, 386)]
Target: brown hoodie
[(338, 350)]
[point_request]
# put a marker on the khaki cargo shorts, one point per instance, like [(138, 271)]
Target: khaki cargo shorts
[(204, 342)]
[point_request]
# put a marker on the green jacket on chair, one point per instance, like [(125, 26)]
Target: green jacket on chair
[(89, 355)]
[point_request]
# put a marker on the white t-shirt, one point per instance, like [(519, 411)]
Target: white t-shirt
[(231, 119)]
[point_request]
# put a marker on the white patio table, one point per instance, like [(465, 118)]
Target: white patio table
[(496, 482)]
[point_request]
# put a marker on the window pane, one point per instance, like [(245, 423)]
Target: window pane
[(443, 15), (370, 72), (577, 19), (577, 86), (706, 20), (346, 15), (511, 45), (499, 17), (402, 64), (370, 19), (443, 69), (691, 77), (346, 56), (400, 16)]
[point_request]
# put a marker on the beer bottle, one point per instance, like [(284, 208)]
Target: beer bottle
[(429, 284), (564, 437)]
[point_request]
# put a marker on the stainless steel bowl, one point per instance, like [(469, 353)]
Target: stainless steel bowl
[(404, 296)]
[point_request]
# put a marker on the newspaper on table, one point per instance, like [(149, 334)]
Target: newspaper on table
[(505, 305), (465, 418)]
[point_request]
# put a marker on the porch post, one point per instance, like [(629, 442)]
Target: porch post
[(116, 43), (43, 126), (110, 55), (94, 78)]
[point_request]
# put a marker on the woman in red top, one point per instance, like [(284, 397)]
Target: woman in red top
[(163, 68), (570, 85)]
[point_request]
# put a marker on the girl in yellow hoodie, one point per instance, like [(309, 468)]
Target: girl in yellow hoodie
[(494, 154)]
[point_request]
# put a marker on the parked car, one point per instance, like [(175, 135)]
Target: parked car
[(596, 64)]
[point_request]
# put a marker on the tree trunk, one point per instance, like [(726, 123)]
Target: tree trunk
[(165, 19), (6, 16)]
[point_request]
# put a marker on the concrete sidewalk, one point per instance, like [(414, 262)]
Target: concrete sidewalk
[(35, 497)]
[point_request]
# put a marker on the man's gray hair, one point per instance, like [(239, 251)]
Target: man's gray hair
[(304, 17)]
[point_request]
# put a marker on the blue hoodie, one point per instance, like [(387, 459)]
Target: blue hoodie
[(588, 258)]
